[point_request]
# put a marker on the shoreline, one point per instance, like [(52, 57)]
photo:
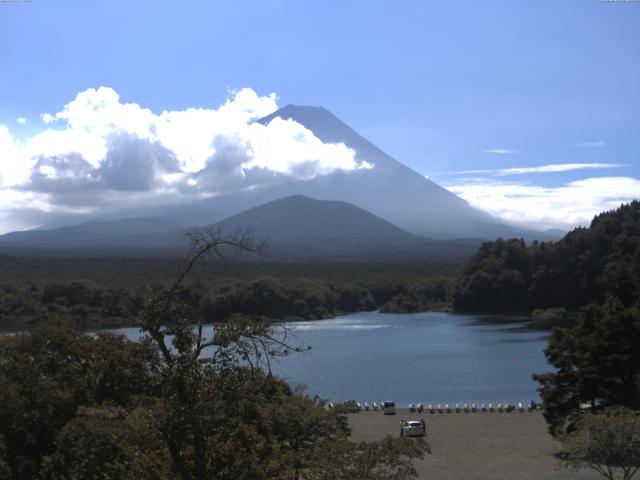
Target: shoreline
[(476, 446), (493, 319)]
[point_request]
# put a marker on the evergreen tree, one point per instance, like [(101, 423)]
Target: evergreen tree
[(597, 362)]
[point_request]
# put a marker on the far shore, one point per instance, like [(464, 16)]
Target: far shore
[(484, 318)]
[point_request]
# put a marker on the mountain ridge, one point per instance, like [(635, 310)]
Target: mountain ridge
[(296, 227), (309, 217), (390, 190)]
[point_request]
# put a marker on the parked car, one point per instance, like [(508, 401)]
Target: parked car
[(412, 428), (389, 408)]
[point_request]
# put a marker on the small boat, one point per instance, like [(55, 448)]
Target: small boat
[(439, 408), (483, 408), (430, 408), (447, 408), (491, 407), (474, 408), (465, 407), (499, 407), (457, 408), (366, 406), (520, 407), (331, 406), (375, 406), (359, 405), (412, 407), (420, 408)]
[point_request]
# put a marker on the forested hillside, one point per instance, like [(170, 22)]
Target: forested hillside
[(507, 275), (104, 292)]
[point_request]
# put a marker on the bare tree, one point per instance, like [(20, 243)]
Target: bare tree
[(202, 372)]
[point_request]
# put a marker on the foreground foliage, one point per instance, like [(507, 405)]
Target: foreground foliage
[(597, 363), (389, 459), (607, 442), (184, 402)]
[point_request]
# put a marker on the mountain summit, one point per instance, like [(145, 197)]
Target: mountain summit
[(390, 189), (300, 218), (403, 203)]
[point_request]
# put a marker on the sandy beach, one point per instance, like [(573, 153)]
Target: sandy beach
[(477, 446)]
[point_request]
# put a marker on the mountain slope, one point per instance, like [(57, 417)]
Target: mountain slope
[(97, 235), (390, 190), (299, 218), (295, 227), (299, 227)]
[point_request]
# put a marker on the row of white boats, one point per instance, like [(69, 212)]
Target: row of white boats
[(440, 408)]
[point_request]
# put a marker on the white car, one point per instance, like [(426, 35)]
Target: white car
[(412, 428)]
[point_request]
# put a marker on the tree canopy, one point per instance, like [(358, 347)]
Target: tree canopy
[(178, 404), (577, 270), (597, 363), (607, 442)]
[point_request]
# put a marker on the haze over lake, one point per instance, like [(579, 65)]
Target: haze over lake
[(410, 358)]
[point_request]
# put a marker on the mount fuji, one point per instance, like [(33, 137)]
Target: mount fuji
[(394, 195)]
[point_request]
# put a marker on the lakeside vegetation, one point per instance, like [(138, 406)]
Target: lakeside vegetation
[(551, 281), (100, 406), (72, 403), (578, 270), (103, 292)]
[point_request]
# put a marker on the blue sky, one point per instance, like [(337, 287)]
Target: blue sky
[(445, 87)]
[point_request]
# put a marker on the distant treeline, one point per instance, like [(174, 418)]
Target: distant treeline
[(106, 292), (136, 271), (503, 276), (581, 269)]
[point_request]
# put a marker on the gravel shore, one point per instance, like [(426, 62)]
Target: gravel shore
[(477, 446)]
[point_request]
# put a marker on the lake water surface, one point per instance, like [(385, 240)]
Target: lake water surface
[(410, 358)]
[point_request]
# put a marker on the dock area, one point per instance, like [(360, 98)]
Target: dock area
[(479, 446)]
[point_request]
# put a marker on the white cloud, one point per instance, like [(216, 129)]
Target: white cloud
[(21, 120), (14, 166), (98, 144), (552, 168), (597, 144), (95, 115), (500, 151), (286, 144), (566, 206), (47, 118)]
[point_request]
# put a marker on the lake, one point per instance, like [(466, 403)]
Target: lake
[(410, 358)]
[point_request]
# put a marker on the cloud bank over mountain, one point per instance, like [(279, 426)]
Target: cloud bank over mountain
[(99, 153), (101, 156), (539, 197), (566, 206)]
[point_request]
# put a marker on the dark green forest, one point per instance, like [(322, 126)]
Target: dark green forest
[(176, 404), (594, 274), (552, 280), (578, 270), (103, 292), (548, 279), (597, 361), (72, 403)]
